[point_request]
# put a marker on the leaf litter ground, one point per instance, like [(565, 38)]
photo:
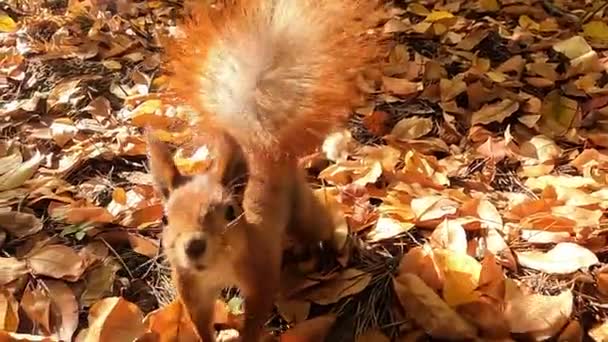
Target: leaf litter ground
[(470, 190)]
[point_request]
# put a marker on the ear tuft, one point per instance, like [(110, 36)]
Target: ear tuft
[(230, 162), (163, 169)]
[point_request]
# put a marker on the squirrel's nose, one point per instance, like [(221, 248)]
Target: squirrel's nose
[(196, 247)]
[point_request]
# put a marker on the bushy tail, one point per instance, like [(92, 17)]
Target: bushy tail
[(277, 74)]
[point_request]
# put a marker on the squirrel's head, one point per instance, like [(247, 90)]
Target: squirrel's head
[(200, 209)]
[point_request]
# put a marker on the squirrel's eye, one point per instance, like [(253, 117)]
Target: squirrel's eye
[(230, 213)]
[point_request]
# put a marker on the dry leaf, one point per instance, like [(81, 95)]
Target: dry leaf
[(450, 235), (429, 312), (599, 333), (372, 335), (412, 128), (496, 112), (171, 323), (64, 308), (399, 86), (114, 319), (564, 258), (20, 224), (57, 261), (9, 312), (347, 283), (293, 310), (37, 305), (311, 330), (11, 269), (15, 177), (542, 316)]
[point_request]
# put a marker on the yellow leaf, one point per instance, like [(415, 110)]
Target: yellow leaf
[(7, 24), (489, 5), (596, 30), (557, 114), (438, 15), (418, 9), (461, 277)]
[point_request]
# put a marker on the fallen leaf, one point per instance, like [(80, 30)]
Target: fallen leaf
[(599, 333), (596, 30), (311, 330), (293, 310), (347, 283), (564, 258), (21, 173), (412, 128), (388, 228), (429, 312), (372, 335), (64, 308), (171, 323), (37, 305), (20, 224), (496, 112), (9, 312), (7, 24), (450, 235), (542, 316), (57, 261), (114, 319), (11, 269), (399, 86)]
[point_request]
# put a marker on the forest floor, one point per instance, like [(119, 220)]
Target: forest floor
[(472, 187)]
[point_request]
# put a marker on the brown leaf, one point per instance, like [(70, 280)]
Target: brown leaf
[(428, 311), (496, 112), (57, 261), (99, 282), (540, 315), (399, 86), (372, 335), (421, 262), (171, 323), (11, 269), (312, 330), (293, 310), (114, 319), (489, 319), (9, 312), (20, 224), (348, 282), (37, 305), (64, 308)]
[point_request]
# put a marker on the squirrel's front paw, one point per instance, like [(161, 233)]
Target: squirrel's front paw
[(228, 335)]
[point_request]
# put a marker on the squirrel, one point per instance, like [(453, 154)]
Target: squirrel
[(209, 243), (272, 78)]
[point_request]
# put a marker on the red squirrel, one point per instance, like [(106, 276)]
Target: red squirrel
[(270, 79), (209, 243)]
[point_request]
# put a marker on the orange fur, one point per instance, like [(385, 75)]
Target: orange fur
[(277, 74), (239, 247)]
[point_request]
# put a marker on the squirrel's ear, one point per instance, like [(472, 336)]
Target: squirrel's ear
[(232, 165), (163, 169)]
